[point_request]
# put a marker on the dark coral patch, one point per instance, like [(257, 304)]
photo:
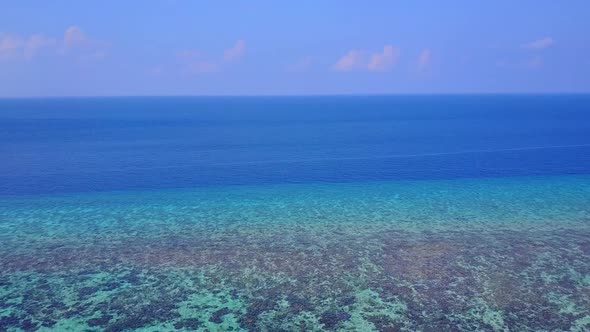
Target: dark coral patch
[(384, 323), (217, 316), (86, 291), (48, 323), (28, 325), (188, 324), (331, 319), (109, 286), (8, 321), (257, 307), (99, 321), (129, 322)]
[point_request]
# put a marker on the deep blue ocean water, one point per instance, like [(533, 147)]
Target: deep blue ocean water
[(103, 144), (380, 213)]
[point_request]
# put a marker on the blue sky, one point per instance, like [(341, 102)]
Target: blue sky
[(81, 48)]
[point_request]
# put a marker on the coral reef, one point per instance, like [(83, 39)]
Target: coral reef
[(474, 254)]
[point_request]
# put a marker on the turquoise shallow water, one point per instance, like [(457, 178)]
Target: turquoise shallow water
[(498, 254)]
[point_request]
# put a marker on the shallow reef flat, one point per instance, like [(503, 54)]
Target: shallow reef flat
[(495, 254)]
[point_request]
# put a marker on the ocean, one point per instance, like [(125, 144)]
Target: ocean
[(327, 213)]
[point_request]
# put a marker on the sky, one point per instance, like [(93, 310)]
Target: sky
[(116, 48)]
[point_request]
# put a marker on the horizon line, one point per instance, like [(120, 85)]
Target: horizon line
[(300, 95)]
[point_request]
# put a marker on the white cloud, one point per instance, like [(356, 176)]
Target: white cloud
[(10, 46), (424, 59), (74, 36), (35, 44), (383, 60), (539, 44), (349, 61), (235, 52), (193, 62), (376, 62), (74, 43), (301, 65)]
